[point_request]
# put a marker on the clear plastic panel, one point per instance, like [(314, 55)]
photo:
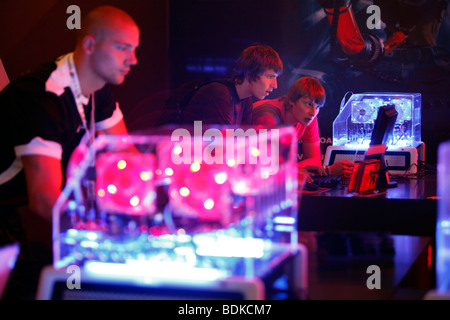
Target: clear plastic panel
[(354, 124), (214, 198)]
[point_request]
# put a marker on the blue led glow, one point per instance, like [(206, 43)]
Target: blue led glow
[(157, 237), (284, 220), (148, 271)]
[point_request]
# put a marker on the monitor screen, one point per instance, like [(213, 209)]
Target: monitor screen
[(384, 125), (382, 130)]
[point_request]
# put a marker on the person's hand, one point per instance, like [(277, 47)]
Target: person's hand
[(307, 172), (304, 174), (316, 170), (341, 168), (311, 171)]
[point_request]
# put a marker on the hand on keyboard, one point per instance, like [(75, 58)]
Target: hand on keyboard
[(322, 182), (330, 181)]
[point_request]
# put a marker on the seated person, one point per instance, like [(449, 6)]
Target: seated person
[(300, 107), (230, 101), (45, 115)]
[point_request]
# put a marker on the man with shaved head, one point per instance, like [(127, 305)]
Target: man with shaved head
[(45, 115)]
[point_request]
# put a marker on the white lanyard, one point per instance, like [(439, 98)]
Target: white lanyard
[(79, 98)]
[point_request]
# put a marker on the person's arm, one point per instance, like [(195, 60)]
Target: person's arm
[(342, 167), (311, 154), (311, 159), (118, 128), (44, 182), (312, 162)]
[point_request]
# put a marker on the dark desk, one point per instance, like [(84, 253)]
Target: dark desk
[(408, 209), (393, 229)]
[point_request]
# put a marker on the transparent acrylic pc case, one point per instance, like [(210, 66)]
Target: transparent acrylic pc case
[(210, 203), (354, 125)]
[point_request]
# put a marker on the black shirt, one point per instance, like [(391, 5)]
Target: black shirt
[(219, 103), (39, 115)]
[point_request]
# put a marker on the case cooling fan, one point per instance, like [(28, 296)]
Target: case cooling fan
[(362, 112)]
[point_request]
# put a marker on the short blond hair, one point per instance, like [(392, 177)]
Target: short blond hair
[(306, 86)]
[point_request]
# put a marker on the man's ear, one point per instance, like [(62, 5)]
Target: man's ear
[(88, 43)]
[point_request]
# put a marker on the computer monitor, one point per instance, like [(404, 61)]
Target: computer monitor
[(384, 125), (382, 130)]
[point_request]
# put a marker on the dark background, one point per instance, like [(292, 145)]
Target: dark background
[(182, 40)]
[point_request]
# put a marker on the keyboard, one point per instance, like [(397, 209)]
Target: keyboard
[(330, 181)]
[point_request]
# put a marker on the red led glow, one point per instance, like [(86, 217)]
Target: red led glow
[(125, 182), (201, 190)]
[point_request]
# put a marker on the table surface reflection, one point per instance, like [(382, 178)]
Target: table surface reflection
[(410, 208)]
